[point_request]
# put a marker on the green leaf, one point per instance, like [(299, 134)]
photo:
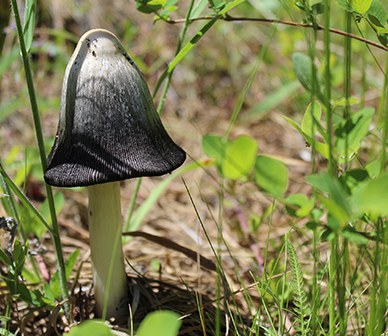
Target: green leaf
[(337, 202), (373, 168), (198, 8), (216, 4), (89, 328), (372, 198), (352, 179), (351, 132), (154, 322), (145, 6), (321, 148), (383, 39), (377, 14), (214, 146), (342, 101), (157, 2), (344, 4), (338, 213), (239, 158), (299, 205), (361, 6), (29, 23), (354, 237), (311, 118), (271, 175), (303, 67)]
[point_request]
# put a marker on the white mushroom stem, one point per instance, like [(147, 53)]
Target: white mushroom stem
[(110, 280)]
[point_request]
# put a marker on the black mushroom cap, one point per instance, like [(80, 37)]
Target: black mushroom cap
[(109, 129)]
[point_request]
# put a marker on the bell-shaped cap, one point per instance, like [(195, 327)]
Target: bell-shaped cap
[(108, 129)]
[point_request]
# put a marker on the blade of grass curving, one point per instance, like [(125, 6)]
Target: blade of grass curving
[(23, 198), (182, 36), (39, 135), (9, 204), (29, 23), (191, 44)]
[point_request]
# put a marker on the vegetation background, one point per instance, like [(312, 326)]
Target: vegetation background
[(284, 195)]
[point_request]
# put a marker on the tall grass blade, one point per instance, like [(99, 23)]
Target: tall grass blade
[(42, 153)]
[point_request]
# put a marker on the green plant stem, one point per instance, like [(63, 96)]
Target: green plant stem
[(315, 290), (379, 286), (22, 198), (347, 76), (383, 117), (194, 40), (331, 164), (42, 153), (9, 204), (132, 204), (182, 37)]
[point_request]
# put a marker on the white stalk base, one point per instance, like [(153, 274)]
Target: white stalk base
[(110, 279)]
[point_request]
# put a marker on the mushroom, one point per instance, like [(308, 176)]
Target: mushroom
[(108, 131)]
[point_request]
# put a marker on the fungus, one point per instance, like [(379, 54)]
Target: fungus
[(108, 131)]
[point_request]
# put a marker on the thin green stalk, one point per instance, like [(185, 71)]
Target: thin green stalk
[(182, 37), (42, 153), (347, 77), (9, 204), (383, 117), (132, 204), (342, 248), (332, 277), (379, 286), (315, 290), (22, 198), (342, 264), (194, 40), (331, 163), (282, 316), (381, 301), (327, 93), (373, 319)]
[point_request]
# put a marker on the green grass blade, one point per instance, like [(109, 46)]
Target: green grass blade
[(42, 153)]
